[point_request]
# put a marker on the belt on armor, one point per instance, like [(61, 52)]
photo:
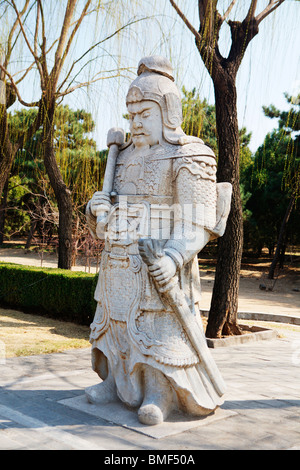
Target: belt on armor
[(138, 198), (121, 252), (134, 260)]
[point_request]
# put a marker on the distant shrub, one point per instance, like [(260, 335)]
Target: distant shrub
[(56, 293)]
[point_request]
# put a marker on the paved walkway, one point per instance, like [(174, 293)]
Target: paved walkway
[(263, 380)]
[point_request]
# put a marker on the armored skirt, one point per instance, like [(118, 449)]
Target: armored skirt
[(132, 328)]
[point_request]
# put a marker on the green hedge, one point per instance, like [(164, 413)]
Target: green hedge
[(56, 293)]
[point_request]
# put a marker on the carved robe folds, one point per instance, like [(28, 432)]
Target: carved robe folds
[(168, 192)]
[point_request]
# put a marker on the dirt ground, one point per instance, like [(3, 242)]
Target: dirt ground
[(256, 294)]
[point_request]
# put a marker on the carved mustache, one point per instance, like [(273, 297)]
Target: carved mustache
[(136, 134)]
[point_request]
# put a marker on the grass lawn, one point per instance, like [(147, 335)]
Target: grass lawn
[(23, 334)]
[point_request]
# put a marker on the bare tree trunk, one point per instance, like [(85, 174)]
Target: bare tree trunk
[(230, 246), (281, 237), (65, 228), (7, 149), (3, 207), (223, 71), (30, 234), (62, 193)]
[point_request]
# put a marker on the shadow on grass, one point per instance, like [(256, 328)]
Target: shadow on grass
[(15, 319)]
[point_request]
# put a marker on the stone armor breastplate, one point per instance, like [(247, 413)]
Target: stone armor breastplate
[(143, 206), (144, 174)]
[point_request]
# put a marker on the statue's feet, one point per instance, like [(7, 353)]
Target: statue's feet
[(102, 393), (158, 400), (151, 414)]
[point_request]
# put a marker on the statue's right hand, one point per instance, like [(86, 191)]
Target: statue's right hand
[(100, 203)]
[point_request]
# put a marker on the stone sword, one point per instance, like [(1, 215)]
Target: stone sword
[(150, 252)]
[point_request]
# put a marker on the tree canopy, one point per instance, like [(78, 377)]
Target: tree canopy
[(273, 180)]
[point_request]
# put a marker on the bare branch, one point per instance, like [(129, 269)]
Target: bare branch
[(96, 45), (227, 12), (9, 48), (36, 33), (23, 31), (185, 20), (62, 39), (13, 29), (202, 5), (44, 69), (78, 23), (42, 17), (93, 80), (27, 42), (251, 11), (24, 103), (272, 5), (52, 45), (207, 12), (210, 22), (25, 73)]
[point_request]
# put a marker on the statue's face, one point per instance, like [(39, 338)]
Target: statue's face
[(145, 123)]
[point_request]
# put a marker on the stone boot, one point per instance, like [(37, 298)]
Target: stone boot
[(158, 398), (104, 392)]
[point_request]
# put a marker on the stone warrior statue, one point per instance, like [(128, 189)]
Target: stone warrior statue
[(160, 205)]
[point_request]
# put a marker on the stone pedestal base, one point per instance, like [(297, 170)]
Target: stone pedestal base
[(119, 414)]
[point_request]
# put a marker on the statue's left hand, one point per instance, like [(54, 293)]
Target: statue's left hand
[(163, 270), (100, 203)]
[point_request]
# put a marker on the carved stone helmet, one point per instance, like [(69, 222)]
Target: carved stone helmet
[(155, 82)]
